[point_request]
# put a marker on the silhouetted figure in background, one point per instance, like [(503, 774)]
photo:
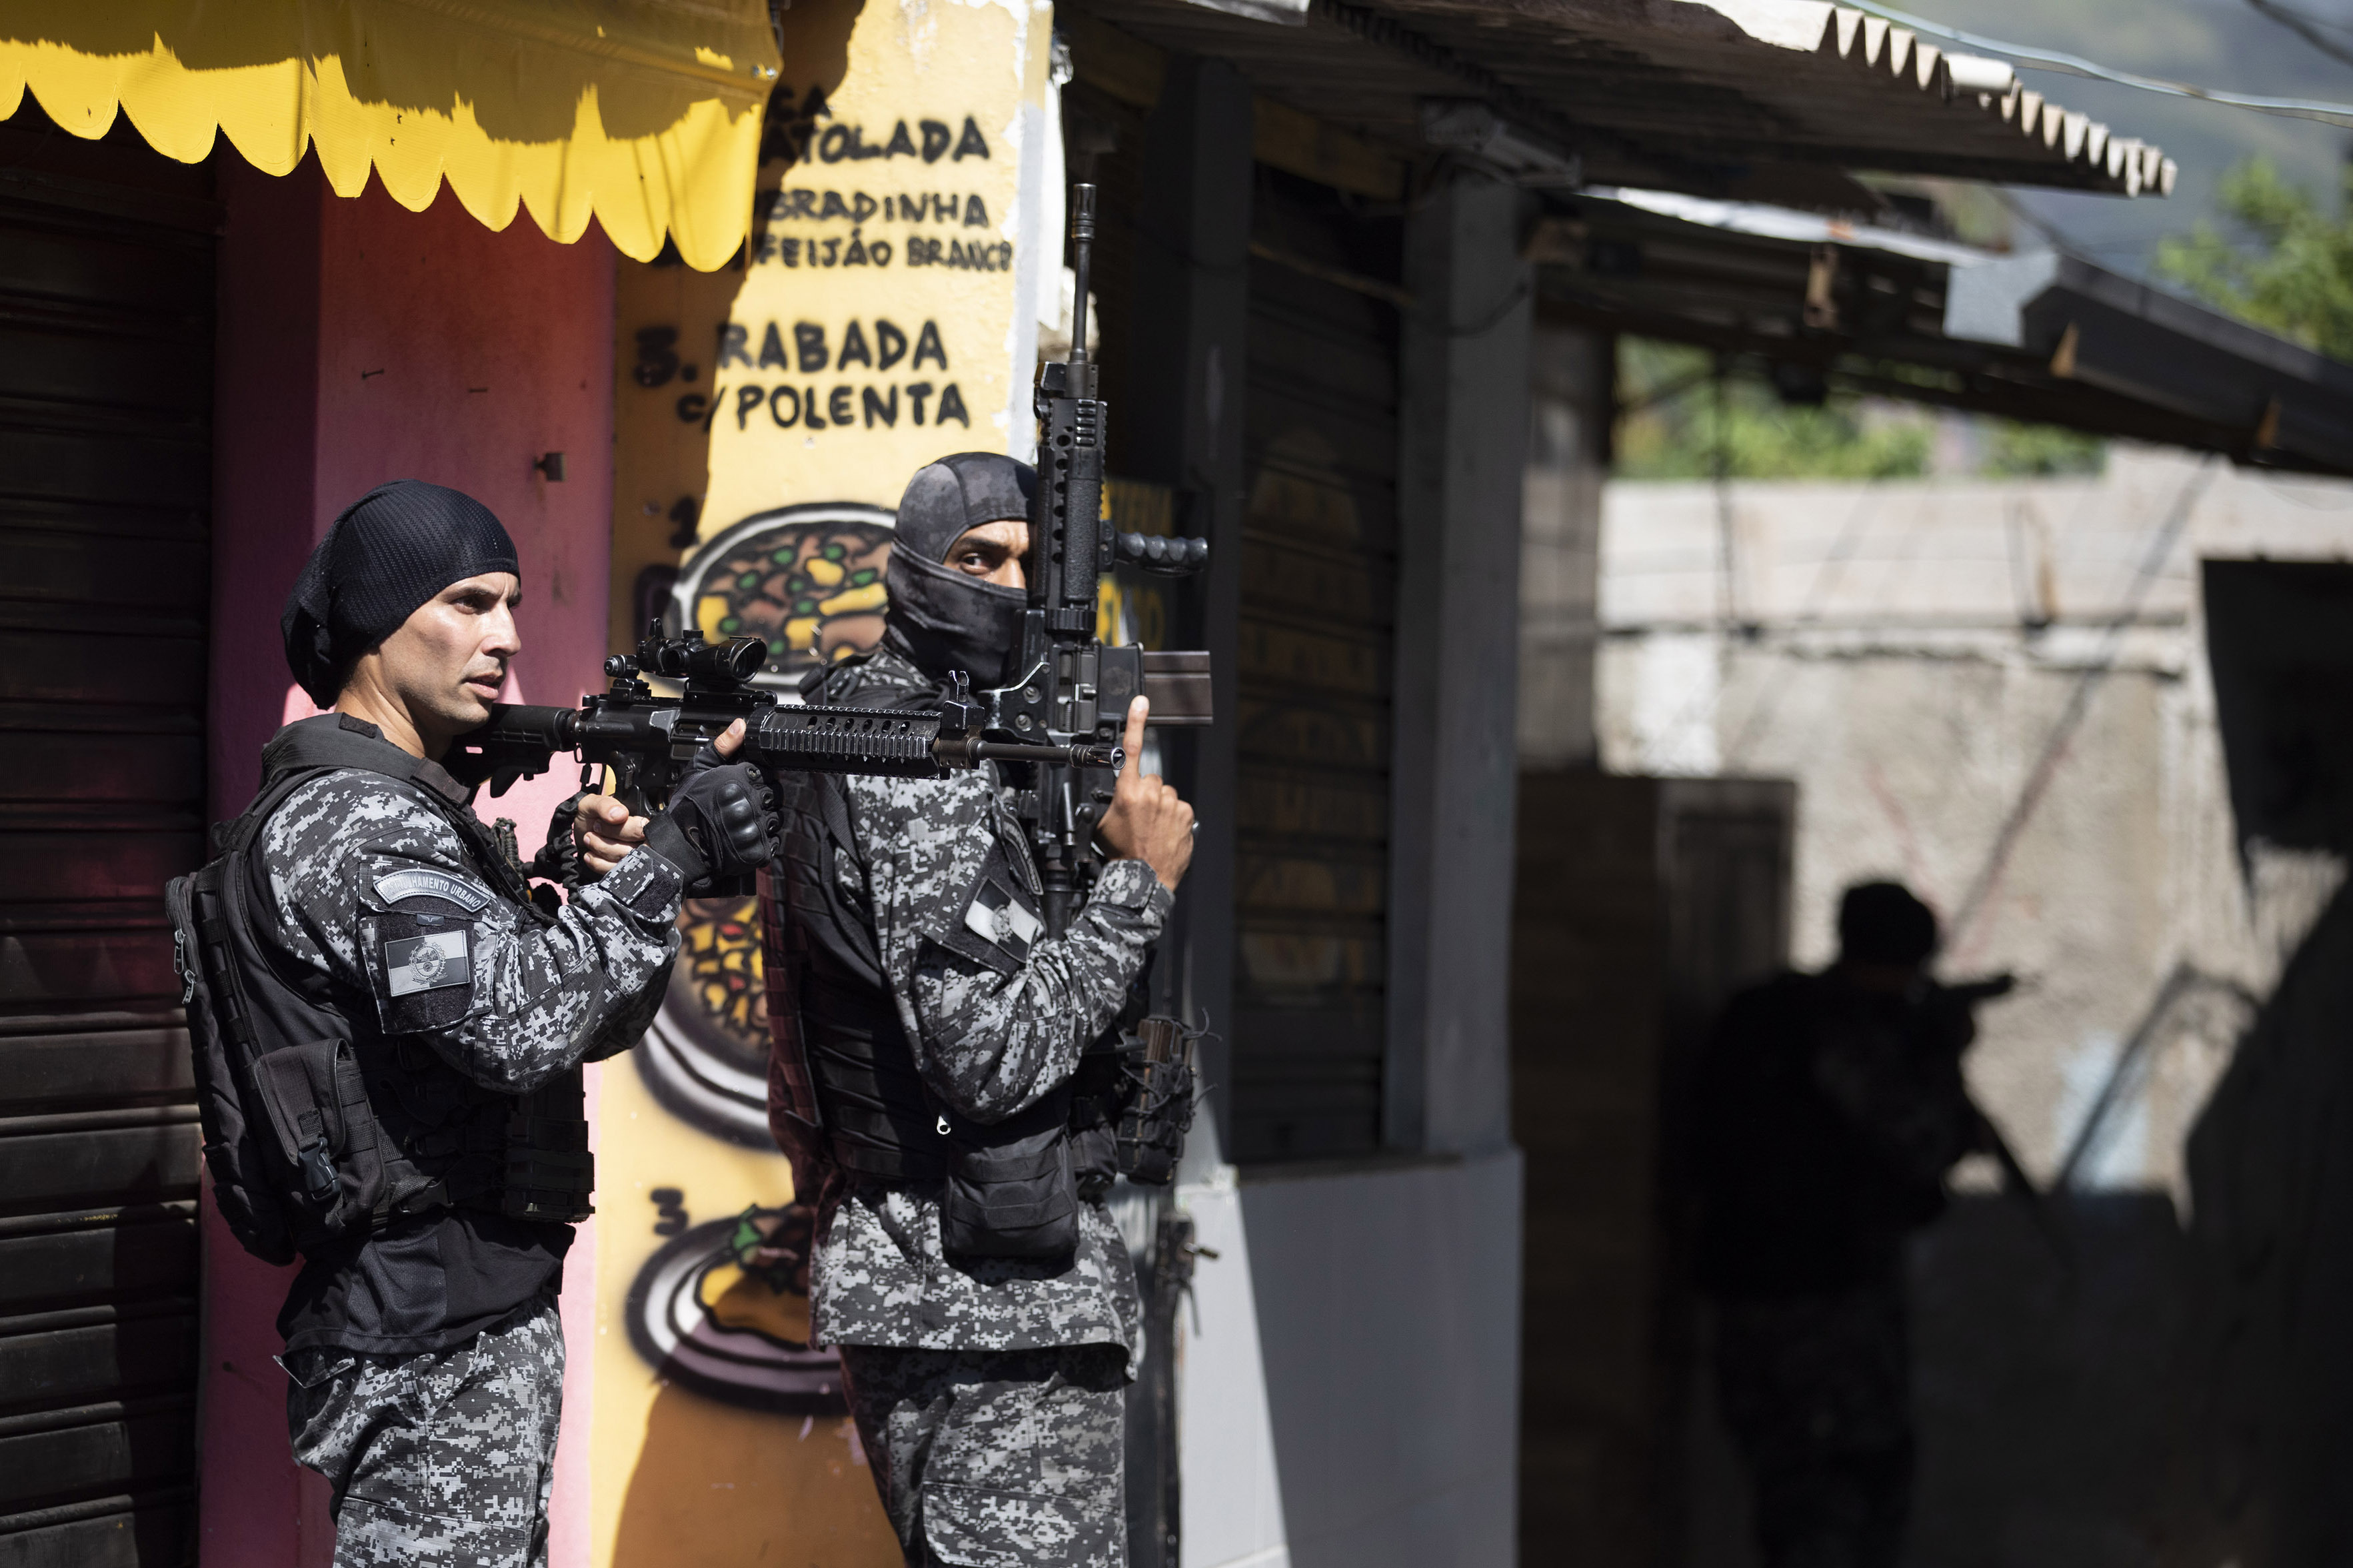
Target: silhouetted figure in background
[(1830, 1108)]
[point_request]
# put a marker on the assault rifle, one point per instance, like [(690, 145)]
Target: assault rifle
[(1967, 995), (1064, 717), (1075, 690), (648, 738)]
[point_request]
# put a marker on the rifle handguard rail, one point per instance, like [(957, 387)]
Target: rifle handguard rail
[(524, 737), (1169, 555), (895, 744)]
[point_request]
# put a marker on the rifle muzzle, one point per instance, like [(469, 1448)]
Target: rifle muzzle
[(967, 751)]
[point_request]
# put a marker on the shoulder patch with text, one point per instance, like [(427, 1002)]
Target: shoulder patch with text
[(425, 882)]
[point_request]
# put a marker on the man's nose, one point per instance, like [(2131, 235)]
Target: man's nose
[(502, 638)]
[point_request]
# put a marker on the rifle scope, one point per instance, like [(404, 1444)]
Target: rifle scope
[(729, 663)]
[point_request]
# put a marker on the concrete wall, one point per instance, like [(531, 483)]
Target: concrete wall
[(1571, 379), (1998, 692), (1388, 1356), (361, 342), (1643, 904), (2272, 1193)]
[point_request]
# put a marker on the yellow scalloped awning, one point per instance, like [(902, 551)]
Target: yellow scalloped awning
[(644, 115)]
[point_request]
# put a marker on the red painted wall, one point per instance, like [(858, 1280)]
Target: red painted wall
[(361, 342)]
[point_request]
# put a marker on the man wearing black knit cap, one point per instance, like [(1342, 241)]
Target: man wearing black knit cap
[(928, 1031), (413, 1028)]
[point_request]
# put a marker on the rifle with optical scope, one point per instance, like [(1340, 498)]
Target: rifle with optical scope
[(1064, 717), (646, 738)]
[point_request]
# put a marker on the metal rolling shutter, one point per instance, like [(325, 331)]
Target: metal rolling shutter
[(106, 343), (1319, 592)]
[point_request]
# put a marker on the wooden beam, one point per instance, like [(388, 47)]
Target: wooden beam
[(1302, 144), (1117, 62)]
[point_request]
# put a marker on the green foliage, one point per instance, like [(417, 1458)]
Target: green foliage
[(1668, 430), (2040, 451), (1675, 436), (2294, 273)]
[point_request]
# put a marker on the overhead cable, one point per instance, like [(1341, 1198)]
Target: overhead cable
[(2313, 30), (2075, 65)]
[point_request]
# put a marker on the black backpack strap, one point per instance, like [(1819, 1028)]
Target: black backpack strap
[(235, 838), (238, 832), (338, 743)]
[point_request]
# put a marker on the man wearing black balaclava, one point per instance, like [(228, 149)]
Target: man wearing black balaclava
[(389, 1033), (927, 1034)]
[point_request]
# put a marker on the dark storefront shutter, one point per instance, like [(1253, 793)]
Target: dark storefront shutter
[(106, 343), (1319, 594), (1640, 906)]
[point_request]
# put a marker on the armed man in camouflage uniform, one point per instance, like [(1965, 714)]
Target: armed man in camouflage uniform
[(423, 1348), (983, 1301), (1830, 1106)]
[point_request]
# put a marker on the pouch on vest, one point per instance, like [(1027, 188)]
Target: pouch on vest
[(548, 1173), (1011, 1190), (844, 1102), (1157, 1111), (1099, 1092)]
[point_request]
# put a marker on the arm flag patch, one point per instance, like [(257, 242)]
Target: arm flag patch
[(429, 963)]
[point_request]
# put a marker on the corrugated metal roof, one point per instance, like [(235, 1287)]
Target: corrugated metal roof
[(1769, 99), (2038, 335)]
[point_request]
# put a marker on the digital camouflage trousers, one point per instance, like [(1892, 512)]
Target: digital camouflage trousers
[(997, 1458), (441, 1459)]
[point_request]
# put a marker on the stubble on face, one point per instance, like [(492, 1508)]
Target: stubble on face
[(437, 675)]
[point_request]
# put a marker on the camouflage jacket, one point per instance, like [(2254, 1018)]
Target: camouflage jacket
[(989, 1044), (511, 999), (545, 995)]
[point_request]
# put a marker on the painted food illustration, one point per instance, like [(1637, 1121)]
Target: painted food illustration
[(807, 580), (722, 1308), (706, 1056)]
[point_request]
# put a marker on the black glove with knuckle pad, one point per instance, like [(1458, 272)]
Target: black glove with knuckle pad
[(720, 830)]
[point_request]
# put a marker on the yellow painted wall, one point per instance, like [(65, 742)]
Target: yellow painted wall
[(883, 274)]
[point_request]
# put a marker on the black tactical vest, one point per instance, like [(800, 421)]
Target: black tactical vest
[(846, 1101), (843, 1080), (318, 1125)]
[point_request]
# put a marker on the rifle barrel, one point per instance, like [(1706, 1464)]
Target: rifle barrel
[(1112, 757), (1082, 239)]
